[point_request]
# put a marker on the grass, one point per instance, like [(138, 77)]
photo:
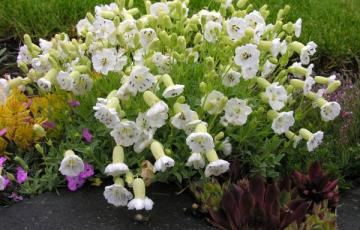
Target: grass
[(333, 24)]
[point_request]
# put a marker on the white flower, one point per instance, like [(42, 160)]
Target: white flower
[(190, 127), (116, 169), (83, 26), (144, 141), (309, 82), (231, 78), (276, 47), (44, 84), (147, 36), (103, 29), (216, 168), (139, 204), (162, 62), (163, 163), (268, 69), (71, 165), (24, 55), (283, 47), (306, 52), (41, 63), (180, 120), (45, 45), (226, 146), (82, 84), (297, 27), (236, 111), (138, 56), (210, 16), (126, 133), (113, 7), (200, 142), (196, 161), (65, 81), (159, 7), (247, 55), (129, 31), (104, 60), (173, 91), (140, 79), (330, 110), (124, 92), (117, 195), (277, 96), (283, 122), (212, 31), (4, 90), (121, 60), (212, 102), (236, 27), (158, 114), (108, 116), (256, 21), (143, 123), (314, 141), (249, 72)]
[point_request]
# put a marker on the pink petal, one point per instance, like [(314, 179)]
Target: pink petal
[(21, 175), (87, 135), (3, 132)]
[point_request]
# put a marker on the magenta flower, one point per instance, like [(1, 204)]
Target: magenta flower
[(48, 125), (88, 171), (86, 135), (6, 182), (2, 161), (16, 197), (21, 175), (74, 103), (74, 183), (3, 132)]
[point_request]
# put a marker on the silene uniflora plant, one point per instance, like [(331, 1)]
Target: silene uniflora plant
[(191, 85)]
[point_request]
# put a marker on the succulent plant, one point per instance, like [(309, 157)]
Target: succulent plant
[(254, 204), (316, 186)]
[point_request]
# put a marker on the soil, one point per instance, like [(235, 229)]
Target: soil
[(87, 209)]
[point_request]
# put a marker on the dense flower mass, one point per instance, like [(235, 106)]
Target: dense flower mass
[(193, 75)]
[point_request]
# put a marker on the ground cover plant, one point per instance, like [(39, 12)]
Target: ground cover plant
[(172, 94)]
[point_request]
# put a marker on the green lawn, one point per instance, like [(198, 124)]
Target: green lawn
[(333, 24)]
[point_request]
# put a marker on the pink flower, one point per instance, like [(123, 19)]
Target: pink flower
[(3, 132), (74, 183), (21, 175), (88, 171), (74, 103), (2, 161), (16, 197), (6, 181), (48, 125), (87, 135)]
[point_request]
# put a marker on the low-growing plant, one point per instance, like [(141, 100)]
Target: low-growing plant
[(183, 91)]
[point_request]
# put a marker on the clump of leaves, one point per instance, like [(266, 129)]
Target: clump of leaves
[(254, 204), (207, 193), (321, 218), (316, 186)]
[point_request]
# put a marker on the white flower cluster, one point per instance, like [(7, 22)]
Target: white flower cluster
[(233, 46)]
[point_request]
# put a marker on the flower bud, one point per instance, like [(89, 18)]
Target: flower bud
[(39, 130), (40, 149), (262, 82), (210, 64), (157, 149), (21, 162), (203, 87), (219, 136), (150, 98), (139, 188), (333, 86), (24, 68), (118, 154), (198, 38), (90, 17), (181, 42), (241, 4), (212, 155)]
